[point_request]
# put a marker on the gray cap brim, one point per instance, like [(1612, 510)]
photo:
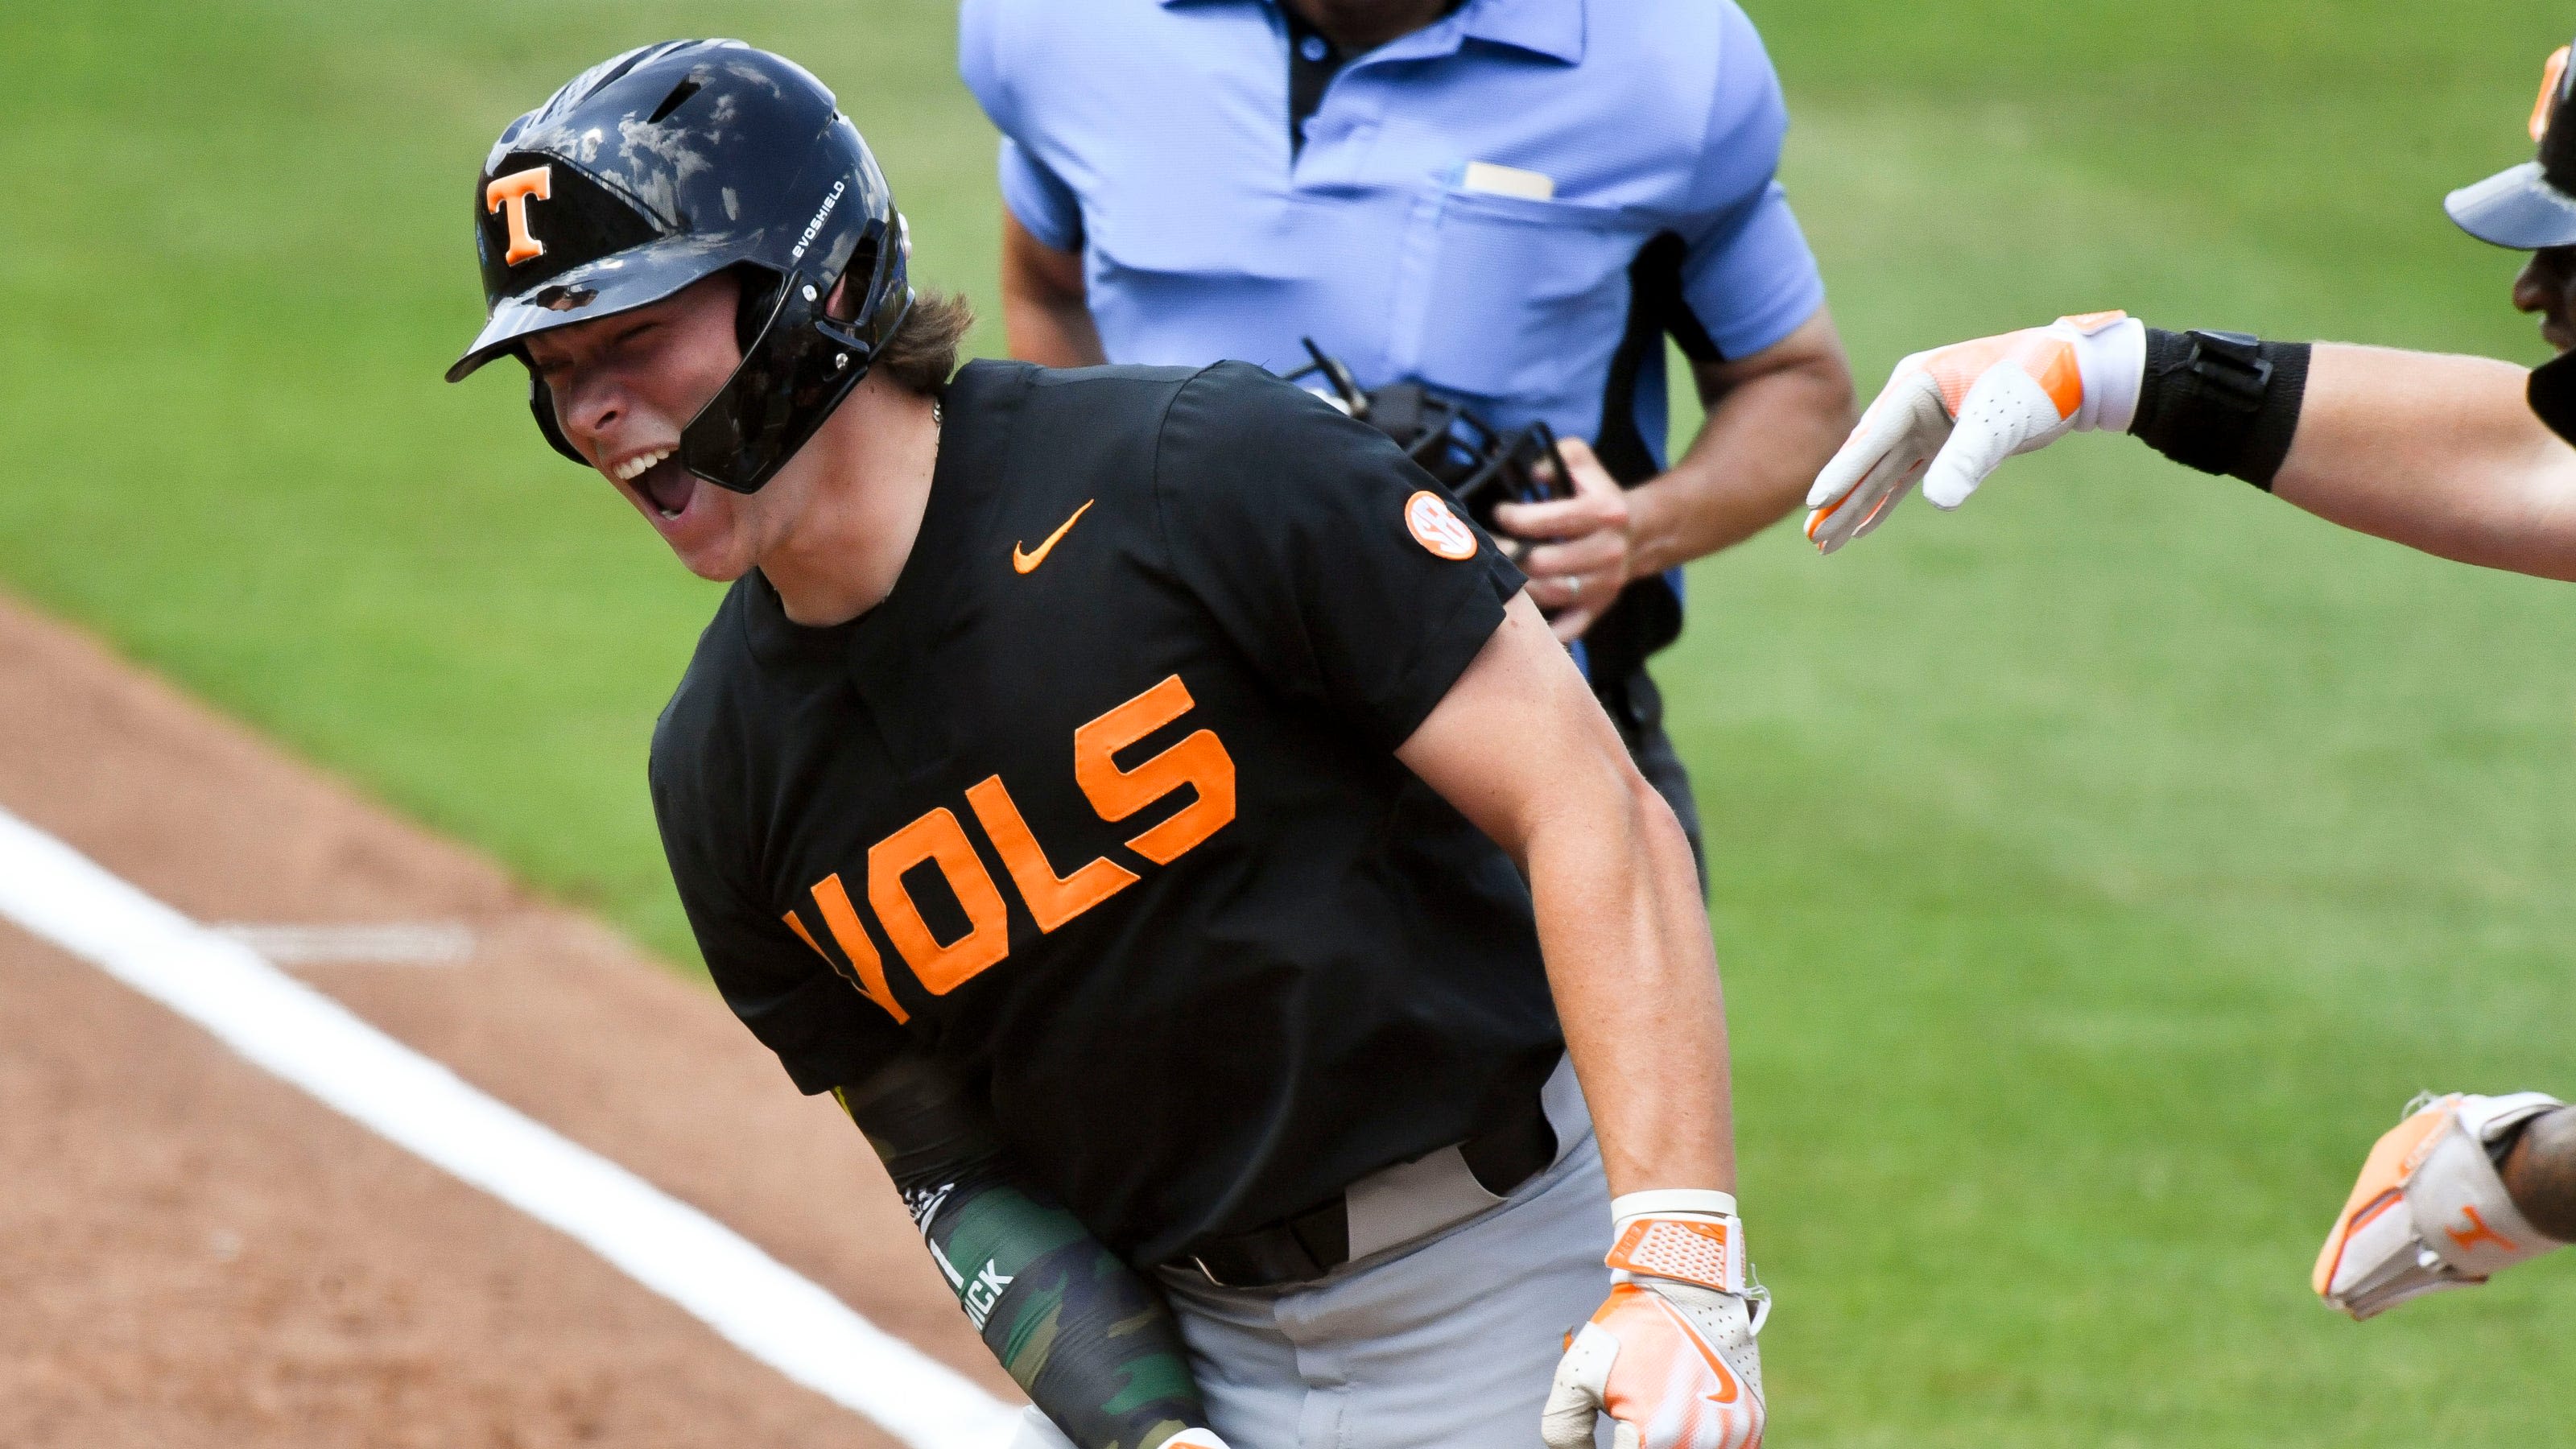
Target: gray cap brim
[(2515, 208)]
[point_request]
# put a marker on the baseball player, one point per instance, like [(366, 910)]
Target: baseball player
[(2458, 456), (1091, 779), (1509, 203)]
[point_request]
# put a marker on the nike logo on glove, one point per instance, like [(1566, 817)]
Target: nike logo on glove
[(1024, 561)]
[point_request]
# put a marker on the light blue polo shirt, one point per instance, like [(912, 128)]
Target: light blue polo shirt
[(1513, 205)]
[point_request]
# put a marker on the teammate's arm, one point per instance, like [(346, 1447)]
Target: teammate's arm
[(1091, 1342), (2436, 452), (1046, 317), (2440, 453)]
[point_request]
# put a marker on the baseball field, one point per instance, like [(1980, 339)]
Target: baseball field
[(2096, 871)]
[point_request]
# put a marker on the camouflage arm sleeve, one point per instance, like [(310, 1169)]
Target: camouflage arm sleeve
[(1088, 1338)]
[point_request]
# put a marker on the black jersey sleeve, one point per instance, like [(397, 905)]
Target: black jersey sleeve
[(793, 997), (1301, 531)]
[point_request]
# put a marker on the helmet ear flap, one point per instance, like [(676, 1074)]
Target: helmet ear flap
[(541, 402)]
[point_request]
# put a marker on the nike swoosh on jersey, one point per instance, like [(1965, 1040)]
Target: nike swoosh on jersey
[(1023, 561)]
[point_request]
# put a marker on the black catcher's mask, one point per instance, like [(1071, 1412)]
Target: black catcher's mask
[(666, 165), (1479, 464)]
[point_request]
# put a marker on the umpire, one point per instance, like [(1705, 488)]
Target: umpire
[(1510, 202)]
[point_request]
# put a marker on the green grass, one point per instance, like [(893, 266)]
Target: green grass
[(2097, 869)]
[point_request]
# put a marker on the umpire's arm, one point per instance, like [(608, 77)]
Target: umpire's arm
[(1619, 911), (1046, 306)]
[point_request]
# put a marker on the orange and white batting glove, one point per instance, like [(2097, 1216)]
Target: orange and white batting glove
[(2430, 1211), (1950, 416), (1670, 1357)]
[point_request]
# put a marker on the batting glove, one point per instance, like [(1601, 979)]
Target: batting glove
[(1950, 416), (2430, 1212), (1670, 1357)]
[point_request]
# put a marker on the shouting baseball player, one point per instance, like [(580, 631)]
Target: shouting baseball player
[(2458, 456), (1160, 819)]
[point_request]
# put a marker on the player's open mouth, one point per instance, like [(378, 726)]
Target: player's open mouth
[(661, 480)]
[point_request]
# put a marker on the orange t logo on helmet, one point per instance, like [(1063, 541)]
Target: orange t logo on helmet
[(513, 192), (2550, 75)]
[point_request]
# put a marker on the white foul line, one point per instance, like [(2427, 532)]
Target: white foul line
[(299, 1034)]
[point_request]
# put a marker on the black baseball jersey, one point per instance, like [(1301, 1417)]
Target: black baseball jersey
[(1100, 806)]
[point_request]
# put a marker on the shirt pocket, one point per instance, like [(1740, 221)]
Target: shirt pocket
[(1500, 294)]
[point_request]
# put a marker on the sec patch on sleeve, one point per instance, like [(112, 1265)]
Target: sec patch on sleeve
[(1437, 527)]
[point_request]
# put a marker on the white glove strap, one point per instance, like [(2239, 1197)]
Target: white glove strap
[(2111, 353), (1666, 1201)]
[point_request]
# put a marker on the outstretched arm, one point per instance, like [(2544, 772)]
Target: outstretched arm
[(2436, 452), (2440, 453), (1090, 1341)]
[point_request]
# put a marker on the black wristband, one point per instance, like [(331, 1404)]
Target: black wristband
[(2221, 402)]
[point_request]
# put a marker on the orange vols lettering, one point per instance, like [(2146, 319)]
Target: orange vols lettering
[(512, 192), (2477, 1232), (939, 839), (1052, 900), (843, 922), (1199, 761)]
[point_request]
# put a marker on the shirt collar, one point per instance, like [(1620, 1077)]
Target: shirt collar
[(1553, 28)]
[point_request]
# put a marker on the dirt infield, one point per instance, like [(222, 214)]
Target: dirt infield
[(195, 1253)]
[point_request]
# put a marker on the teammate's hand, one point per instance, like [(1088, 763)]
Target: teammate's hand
[(1575, 550), (1950, 416), (1670, 1357), (2430, 1212)]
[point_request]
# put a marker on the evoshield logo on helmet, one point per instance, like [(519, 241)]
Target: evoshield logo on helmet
[(816, 224), (512, 191)]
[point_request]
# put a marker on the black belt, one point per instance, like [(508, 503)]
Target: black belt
[(1308, 1245)]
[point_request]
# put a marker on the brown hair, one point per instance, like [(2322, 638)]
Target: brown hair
[(923, 350)]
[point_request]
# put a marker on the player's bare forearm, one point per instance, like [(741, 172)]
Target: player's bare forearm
[(1773, 419), (1089, 1340), (1620, 918), (2440, 453), (1046, 315)]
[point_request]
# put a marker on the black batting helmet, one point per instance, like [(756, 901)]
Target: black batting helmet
[(666, 165), (2533, 205)]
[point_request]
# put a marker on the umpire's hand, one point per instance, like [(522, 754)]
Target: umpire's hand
[(1578, 550)]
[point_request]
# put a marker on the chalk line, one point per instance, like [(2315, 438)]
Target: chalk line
[(298, 1033)]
